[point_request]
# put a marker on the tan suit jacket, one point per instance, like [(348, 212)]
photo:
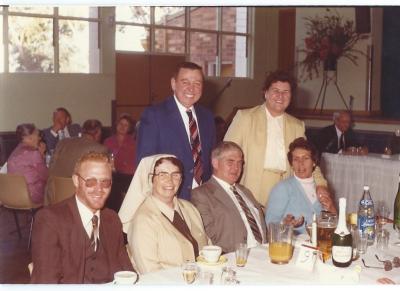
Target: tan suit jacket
[(222, 220), (249, 130), (156, 244)]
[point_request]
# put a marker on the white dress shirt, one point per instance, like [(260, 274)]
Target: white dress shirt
[(339, 133), (86, 216), (182, 110), (251, 241), (62, 132), (275, 155)]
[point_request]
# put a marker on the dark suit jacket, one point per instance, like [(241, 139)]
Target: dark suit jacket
[(162, 131), (327, 139), (51, 141), (221, 218), (58, 244)]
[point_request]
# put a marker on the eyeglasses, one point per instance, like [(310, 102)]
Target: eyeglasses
[(92, 182), (166, 176), (277, 93)]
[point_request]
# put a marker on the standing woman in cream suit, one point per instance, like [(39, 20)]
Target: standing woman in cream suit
[(163, 231), (264, 133)]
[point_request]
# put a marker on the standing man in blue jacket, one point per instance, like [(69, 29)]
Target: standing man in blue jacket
[(181, 127)]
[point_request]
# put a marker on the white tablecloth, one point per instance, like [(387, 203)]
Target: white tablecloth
[(259, 270), (347, 175)]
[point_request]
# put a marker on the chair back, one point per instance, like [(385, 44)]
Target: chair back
[(62, 188), (14, 192)]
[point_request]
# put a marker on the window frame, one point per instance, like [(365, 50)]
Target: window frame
[(56, 45), (152, 26)]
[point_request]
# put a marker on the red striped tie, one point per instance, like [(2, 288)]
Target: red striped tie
[(196, 147), (249, 215)]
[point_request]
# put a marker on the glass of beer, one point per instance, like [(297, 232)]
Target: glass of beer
[(326, 225), (189, 272), (280, 238)]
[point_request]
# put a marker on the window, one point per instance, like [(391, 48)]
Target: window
[(48, 39), (216, 38)]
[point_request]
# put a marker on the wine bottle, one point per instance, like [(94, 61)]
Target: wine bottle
[(396, 209), (342, 241)]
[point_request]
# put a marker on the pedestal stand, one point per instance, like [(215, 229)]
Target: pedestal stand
[(328, 77)]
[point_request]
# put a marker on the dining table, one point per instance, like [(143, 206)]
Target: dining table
[(347, 174), (260, 271)]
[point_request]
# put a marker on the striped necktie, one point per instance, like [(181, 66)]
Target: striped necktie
[(250, 218), (95, 232), (196, 148)]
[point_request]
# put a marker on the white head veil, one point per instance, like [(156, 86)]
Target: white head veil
[(139, 189)]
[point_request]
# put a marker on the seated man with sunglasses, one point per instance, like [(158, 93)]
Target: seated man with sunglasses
[(77, 241)]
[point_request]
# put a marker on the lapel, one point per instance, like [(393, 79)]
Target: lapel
[(177, 125), (78, 233), (260, 138), (220, 194), (165, 221)]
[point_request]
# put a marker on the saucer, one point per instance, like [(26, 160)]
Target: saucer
[(202, 260)]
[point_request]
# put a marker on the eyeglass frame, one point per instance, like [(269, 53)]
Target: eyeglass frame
[(277, 93), (98, 182), (166, 176)]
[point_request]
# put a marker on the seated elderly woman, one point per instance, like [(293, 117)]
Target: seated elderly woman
[(294, 200), (27, 159), (163, 231)]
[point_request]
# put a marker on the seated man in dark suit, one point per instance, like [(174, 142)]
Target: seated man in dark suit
[(62, 128), (230, 213), (76, 241), (337, 137)]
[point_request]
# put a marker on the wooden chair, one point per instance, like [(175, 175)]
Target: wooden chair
[(14, 195), (61, 189)]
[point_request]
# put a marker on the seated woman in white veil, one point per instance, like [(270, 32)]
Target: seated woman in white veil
[(163, 231)]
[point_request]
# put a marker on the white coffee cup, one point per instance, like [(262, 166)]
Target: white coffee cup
[(125, 278), (211, 253)]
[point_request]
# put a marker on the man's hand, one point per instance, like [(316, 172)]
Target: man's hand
[(291, 220), (325, 199)]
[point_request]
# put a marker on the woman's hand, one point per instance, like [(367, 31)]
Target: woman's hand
[(325, 199), (42, 148), (291, 220)]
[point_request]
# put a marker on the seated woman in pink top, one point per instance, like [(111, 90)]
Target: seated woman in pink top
[(27, 159), (123, 147)]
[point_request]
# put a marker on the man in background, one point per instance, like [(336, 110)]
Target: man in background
[(62, 128), (69, 150), (337, 137), (181, 127)]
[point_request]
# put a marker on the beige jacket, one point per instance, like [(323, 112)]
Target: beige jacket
[(249, 130), (156, 244)]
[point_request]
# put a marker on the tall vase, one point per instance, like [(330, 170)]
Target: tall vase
[(330, 63)]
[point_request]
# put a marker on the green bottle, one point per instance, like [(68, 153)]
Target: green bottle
[(396, 209)]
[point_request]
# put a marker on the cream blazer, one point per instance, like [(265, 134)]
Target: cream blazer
[(155, 243), (249, 130)]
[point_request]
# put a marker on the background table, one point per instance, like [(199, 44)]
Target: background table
[(260, 271), (348, 174)]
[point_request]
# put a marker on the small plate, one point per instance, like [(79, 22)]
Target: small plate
[(202, 260)]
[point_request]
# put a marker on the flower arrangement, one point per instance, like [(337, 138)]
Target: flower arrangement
[(328, 39)]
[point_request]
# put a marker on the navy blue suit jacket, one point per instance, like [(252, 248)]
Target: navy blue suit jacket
[(162, 131)]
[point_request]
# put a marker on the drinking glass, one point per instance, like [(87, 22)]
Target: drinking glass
[(326, 225), (206, 278), (189, 272), (241, 254), (280, 242), (383, 213), (228, 276), (382, 239)]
